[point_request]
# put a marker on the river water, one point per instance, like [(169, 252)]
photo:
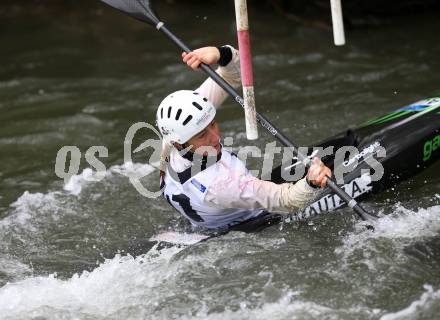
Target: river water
[(81, 76)]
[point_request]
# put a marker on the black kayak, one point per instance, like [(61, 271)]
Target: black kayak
[(410, 137)]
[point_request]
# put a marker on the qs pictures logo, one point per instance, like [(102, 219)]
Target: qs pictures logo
[(68, 160), (135, 177)]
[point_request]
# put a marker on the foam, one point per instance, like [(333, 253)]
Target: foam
[(13, 269), (285, 308), (402, 227), (282, 309), (76, 182), (426, 300), (112, 286), (129, 169), (31, 206), (26, 204), (288, 306)]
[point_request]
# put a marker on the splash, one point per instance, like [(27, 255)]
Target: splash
[(11, 268), (401, 227), (112, 286), (288, 306), (28, 203), (427, 300), (76, 183)]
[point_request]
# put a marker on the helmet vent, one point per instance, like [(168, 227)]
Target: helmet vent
[(195, 93), (178, 114), (188, 119), (198, 106), (169, 112), (161, 113), (204, 99)]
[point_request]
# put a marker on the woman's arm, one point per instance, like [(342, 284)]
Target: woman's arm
[(229, 70), (248, 192)]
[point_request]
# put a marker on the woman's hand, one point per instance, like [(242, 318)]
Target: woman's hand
[(206, 55), (318, 173)]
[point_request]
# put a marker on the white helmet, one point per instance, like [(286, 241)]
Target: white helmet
[(183, 114)]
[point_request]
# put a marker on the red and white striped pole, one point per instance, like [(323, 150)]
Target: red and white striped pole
[(247, 78)]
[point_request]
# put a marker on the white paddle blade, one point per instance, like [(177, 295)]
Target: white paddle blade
[(338, 22), (179, 238)]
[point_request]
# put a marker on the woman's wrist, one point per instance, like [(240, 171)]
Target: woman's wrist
[(225, 55)]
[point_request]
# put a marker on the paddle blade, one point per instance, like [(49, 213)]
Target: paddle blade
[(180, 238), (138, 9)]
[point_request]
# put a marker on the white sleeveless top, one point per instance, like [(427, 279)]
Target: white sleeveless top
[(187, 193)]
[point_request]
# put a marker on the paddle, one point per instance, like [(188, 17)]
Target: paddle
[(141, 10)]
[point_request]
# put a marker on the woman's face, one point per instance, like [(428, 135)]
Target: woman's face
[(207, 141)]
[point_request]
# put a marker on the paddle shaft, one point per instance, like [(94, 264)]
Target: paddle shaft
[(265, 123)]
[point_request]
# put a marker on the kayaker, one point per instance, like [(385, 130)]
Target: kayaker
[(221, 194)]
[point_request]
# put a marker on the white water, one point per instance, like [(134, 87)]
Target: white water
[(77, 182), (32, 205), (401, 227), (139, 288), (115, 287), (112, 286), (27, 206), (427, 300)]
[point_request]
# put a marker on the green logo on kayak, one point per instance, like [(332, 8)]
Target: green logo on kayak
[(388, 117), (420, 108), (429, 147)]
